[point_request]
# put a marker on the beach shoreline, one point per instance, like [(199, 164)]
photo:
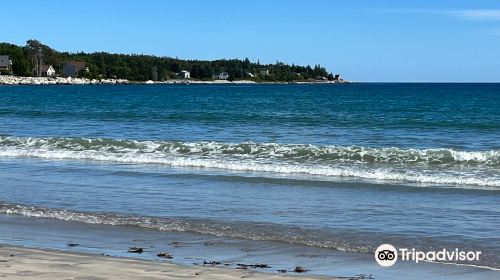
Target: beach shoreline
[(31, 263)]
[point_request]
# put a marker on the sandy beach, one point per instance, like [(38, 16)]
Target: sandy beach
[(24, 263)]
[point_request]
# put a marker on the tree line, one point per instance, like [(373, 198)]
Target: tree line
[(28, 60)]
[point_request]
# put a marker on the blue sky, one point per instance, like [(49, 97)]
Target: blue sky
[(364, 40)]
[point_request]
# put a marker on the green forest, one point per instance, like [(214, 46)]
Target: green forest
[(139, 67)]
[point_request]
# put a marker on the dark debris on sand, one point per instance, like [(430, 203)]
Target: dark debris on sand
[(359, 277), (72, 244), (137, 250), (165, 255), (247, 266), (212, 263), (300, 269)]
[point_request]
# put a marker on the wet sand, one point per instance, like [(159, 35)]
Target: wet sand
[(187, 248), (24, 263)]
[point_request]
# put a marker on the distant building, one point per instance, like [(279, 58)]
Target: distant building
[(72, 68), (48, 71), (5, 63), (185, 74), (223, 76), (249, 74), (264, 72)]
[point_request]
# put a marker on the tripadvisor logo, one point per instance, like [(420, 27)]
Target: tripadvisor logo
[(387, 255)]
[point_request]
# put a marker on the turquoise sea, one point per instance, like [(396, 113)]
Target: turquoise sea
[(318, 173)]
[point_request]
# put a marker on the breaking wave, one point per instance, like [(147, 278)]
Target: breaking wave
[(434, 166)]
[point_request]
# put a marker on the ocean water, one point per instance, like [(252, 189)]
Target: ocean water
[(343, 168)]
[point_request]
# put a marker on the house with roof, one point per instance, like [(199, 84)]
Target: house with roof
[(223, 76), (71, 68), (185, 74), (48, 71), (5, 63)]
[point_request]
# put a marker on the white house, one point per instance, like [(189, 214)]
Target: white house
[(249, 74), (223, 76), (48, 71), (185, 74)]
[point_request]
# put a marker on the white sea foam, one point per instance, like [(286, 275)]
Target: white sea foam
[(244, 230), (342, 241), (433, 166)]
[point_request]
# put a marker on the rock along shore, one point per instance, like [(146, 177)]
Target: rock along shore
[(226, 82), (15, 80)]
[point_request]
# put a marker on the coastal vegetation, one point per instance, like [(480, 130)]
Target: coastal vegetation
[(29, 60)]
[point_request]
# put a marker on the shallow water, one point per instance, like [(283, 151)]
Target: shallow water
[(194, 249), (341, 167)]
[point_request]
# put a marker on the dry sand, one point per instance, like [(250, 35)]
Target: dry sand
[(23, 263)]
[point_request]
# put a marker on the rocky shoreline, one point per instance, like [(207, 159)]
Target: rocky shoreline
[(15, 80), (226, 82)]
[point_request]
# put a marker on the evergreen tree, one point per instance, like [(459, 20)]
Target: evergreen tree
[(139, 67)]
